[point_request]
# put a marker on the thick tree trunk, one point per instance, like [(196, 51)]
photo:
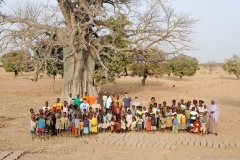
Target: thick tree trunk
[(78, 72), (144, 80)]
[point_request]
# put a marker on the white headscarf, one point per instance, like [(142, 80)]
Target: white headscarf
[(216, 113)]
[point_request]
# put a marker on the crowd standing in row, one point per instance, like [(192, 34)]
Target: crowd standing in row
[(91, 115)]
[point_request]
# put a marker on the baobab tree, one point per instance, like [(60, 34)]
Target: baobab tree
[(95, 35)]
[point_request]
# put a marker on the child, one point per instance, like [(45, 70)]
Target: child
[(41, 127), (139, 124), (168, 115), (100, 121), (123, 124), (179, 118), (73, 124), (129, 119), (149, 123), (33, 124), (94, 124), (81, 126), (58, 122), (49, 122), (112, 125), (104, 126), (183, 121), (162, 121), (175, 124), (69, 124), (144, 110), (153, 123), (90, 124), (203, 125), (118, 126), (64, 121), (84, 113), (77, 126), (133, 124), (145, 119), (86, 125), (196, 126), (109, 118)]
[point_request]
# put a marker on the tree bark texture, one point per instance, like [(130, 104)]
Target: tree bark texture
[(78, 73)]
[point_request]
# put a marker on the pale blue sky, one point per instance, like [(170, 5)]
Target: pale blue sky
[(217, 34)]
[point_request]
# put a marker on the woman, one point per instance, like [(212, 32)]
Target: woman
[(151, 104), (213, 112)]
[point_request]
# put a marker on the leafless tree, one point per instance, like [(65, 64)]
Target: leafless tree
[(80, 28)]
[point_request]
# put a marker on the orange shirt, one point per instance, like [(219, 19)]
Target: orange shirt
[(92, 99), (86, 97)]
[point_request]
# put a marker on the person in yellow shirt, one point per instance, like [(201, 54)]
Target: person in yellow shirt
[(59, 104)]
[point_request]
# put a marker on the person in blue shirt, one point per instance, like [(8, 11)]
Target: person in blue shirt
[(41, 127), (84, 105)]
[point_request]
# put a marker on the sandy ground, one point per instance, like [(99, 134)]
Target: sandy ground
[(18, 95)]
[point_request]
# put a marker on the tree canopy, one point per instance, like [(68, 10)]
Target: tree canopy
[(232, 65), (183, 65), (97, 36)]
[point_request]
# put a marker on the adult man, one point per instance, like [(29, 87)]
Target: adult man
[(86, 97), (213, 112), (136, 103), (118, 100), (127, 101), (84, 105), (96, 105), (69, 99), (92, 99), (46, 107), (73, 105), (77, 100), (108, 102)]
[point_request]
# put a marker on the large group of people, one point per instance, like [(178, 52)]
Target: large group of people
[(90, 115)]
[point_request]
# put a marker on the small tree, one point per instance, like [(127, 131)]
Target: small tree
[(232, 65), (148, 64), (17, 60), (183, 65)]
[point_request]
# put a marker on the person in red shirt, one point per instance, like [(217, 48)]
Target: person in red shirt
[(117, 111)]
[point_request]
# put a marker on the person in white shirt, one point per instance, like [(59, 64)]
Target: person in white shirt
[(69, 99), (193, 115), (65, 108), (96, 105), (46, 107), (129, 119), (84, 105), (108, 102)]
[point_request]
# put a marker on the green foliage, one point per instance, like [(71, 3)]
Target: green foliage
[(147, 65), (232, 65), (17, 60), (55, 68), (182, 65), (114, 60)]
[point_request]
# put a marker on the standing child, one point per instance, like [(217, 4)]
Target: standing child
[(109, 118), (179, 118), (64, 121), (183, 121), (133, 124), (58, 122), (41, 127), (94, 124), (104, 126), (77, 125), (175, 124), (112, 125), (86, 126), (69, 124), (81, 126), (90, 124), (203, 125), (168, 115), (153, 123), (145, 119), (123, 124), (100, 121), (149, 123), (163, 121), (140, 123), (129, 119)]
